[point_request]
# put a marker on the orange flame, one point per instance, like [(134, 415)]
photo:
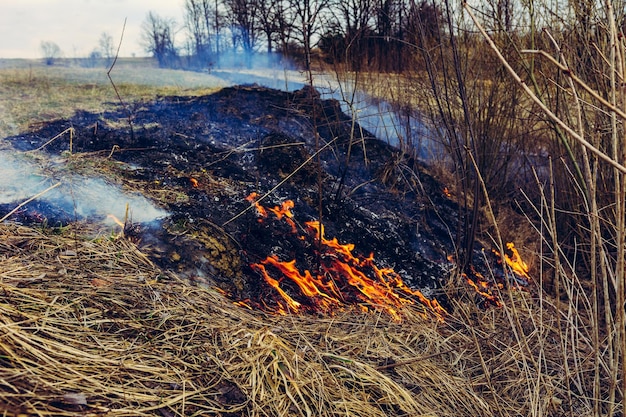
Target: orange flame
[(515, 262), (480, 284), (259, 208), (342, 278), (283, 211), (194, 182), (485, 287), (293, 304)]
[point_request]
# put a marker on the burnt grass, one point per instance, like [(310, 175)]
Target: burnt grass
[(213, 151)]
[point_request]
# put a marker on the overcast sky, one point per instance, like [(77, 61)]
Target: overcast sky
[(76, 25)]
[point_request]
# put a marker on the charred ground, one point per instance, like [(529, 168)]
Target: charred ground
[(199, 157)]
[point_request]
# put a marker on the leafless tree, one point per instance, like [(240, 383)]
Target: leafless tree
[(218, 21), (201, 21), (355, 18), (386, 30), (50, 51), (308, 16), (158, 39), (194, 22), (268, 19), (244, 23), (284, 25), (107, 47)]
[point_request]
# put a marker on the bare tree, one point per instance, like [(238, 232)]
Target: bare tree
[(50, 51), (284, 25), (93, 59), (355, 17), (385, 32), (107, 47), (244, 23), (268, 19), (158, 39), (218, 21), (307, 23), (198, 21)]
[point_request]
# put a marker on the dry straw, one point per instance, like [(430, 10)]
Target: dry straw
[(89, 326)]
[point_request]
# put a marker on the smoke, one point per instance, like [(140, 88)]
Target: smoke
[(253, 61), (271, 70), (78, 197), (400, 127)]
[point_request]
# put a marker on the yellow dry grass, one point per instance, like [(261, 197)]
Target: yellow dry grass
[(89, 325), (32, 93)]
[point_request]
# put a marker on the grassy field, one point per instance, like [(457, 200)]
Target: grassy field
[(31, 92), (89, 325)]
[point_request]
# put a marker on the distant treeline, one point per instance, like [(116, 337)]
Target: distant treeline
[(377, 34)]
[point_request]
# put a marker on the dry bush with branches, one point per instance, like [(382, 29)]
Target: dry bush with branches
[(532, 123)]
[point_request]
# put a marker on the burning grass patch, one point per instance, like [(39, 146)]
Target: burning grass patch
[(88, 324)]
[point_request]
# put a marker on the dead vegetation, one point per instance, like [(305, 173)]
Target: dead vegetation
[(31, 93), (91, 326)]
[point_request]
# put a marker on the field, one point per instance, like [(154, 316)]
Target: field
[(33, 92), (90, 325)]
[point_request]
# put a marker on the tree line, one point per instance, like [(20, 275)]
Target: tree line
[(376, 34)]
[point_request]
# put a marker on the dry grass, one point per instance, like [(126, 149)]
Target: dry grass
[(88, 324), (32, 93)]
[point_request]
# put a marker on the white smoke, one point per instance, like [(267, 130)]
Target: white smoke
[(78, 196)]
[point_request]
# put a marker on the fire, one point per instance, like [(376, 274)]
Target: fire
[(342, 278), (515, 262), (480, 284), (259, 208), (284, 211), (194, 182), (485, 287)]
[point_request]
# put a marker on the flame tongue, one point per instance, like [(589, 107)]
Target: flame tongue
[(477, 281), (282, 212), (515, 262), (341, 278), (486, 288), (293, 304)]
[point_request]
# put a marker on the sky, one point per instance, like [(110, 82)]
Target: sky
[(76, 25)]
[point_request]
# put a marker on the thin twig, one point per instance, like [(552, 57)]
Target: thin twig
[(119, 97), (280, 183), (566, 70), (413, 360), (69, 129), (537, 101)]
